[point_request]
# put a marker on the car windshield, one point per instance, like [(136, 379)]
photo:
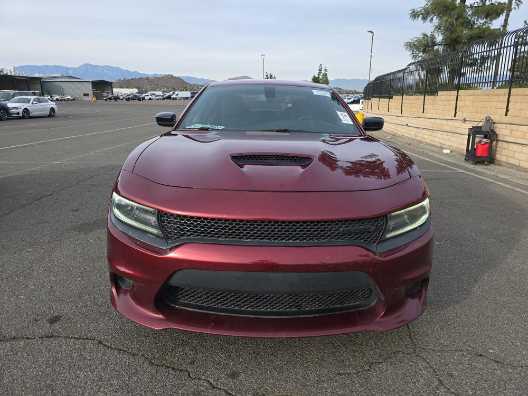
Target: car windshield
[(262, 107), (20, 100)]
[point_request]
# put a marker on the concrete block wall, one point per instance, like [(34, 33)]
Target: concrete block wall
[(433, 121)]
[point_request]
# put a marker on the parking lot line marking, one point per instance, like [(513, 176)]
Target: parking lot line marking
[(15, 146), (23, 162), (439, 171), (58, 162), (488, 179), (102, 150), (37, 127)]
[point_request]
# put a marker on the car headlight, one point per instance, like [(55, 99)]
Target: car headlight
[(407, 219), (14, 108), (135, 215)]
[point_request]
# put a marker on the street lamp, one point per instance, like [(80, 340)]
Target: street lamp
[(263, 56), (371, 45)]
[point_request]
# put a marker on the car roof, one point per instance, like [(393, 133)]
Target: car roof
[(270, 82)]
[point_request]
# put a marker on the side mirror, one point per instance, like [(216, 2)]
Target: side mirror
[(166, 119), (373, 123)]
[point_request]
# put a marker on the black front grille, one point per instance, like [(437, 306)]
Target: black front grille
[(267, 303), (177, 228), (271, 160)]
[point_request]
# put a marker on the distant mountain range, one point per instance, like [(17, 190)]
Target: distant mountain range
[(159, 83), (356, 84), (87, 71), (195, 80), (240, 78)]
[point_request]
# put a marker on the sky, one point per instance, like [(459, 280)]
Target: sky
[(214, 39)]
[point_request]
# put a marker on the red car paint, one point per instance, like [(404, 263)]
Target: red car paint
[(349, 178)]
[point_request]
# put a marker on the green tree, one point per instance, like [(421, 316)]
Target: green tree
[(510, 6), (425, 46), (457, 23), (322, 76), (316, 78)]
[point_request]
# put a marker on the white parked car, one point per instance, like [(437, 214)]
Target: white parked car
[(31, 106), (355, 104), (147, 96), (181, 95)]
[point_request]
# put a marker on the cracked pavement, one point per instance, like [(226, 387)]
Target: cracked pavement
[(59, 334)]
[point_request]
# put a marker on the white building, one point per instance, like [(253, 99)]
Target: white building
[(75, 87)]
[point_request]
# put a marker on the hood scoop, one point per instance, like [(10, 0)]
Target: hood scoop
[(271, 160)]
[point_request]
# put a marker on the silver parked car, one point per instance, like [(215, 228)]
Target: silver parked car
[(31, 106)]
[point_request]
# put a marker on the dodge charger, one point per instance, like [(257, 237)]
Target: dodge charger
[(268, 210)]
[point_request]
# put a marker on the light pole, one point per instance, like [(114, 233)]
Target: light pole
[(263, 56), (371, 45)]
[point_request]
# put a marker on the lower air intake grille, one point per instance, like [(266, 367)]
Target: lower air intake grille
[(267, 303), (177, 228)]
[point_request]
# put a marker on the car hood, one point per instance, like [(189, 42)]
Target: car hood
[(15, 104), (210, 160)]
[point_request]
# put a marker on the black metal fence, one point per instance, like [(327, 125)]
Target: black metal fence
[(488, 64)]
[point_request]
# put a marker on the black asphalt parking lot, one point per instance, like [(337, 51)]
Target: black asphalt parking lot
[(60, 335)]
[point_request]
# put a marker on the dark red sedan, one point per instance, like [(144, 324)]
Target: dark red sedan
[(268, 211)]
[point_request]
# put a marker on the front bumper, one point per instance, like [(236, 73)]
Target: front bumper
[(15, 112), (399, 277)]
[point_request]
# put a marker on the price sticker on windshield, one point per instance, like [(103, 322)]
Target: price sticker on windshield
[(321, 92), (345, 118)]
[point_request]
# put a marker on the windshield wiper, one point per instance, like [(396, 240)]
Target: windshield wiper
[(285, 130)]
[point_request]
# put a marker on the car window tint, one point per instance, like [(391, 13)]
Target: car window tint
[(6, 95), (20, 100), (258, 107)]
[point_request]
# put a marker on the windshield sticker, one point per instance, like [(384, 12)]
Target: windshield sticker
[(345, 118), (321, 92), (198, 126)]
